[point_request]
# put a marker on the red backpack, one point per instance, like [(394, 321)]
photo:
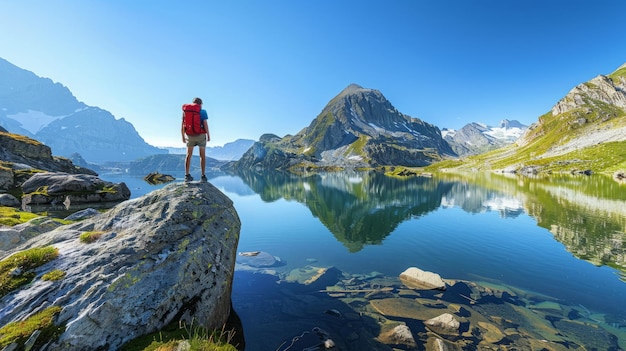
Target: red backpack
[(191, 119)]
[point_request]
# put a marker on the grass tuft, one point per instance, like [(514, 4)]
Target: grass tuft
[(16, 270), (19, 332), (53, 275), (90, 237)]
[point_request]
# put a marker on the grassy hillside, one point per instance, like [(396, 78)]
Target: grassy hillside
[(589, 135)]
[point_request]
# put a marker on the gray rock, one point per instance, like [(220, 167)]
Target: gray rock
[(418, 279), (59, 183), (165, 257), (9, 200), (64, 188), (83, 214)]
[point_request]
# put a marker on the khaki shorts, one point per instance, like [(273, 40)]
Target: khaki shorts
[(196, 140)]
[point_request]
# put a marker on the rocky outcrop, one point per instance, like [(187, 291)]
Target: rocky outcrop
[(68, 189), (20, 156), (601, 89), (165, 257)]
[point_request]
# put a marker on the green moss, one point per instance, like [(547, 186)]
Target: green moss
[(53, 275), (11, 216), (90, 237), (21, 138), (19, 332), (356, 148), (24, 262)]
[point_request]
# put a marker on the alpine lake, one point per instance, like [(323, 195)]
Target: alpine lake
[(529, 263)]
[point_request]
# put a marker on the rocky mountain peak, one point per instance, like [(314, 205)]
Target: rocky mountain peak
[(359, 127), (599, 90)]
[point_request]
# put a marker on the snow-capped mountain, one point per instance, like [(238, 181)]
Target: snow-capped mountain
[(47, 111), (475, 138)]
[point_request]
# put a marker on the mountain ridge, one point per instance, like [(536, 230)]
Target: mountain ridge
[(358, 128), (41, 109), (475, 137), (585, 131)]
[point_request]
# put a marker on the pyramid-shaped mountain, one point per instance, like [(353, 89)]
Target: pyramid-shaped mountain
[(357, 128)]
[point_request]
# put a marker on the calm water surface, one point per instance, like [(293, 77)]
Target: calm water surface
[(559, 239)]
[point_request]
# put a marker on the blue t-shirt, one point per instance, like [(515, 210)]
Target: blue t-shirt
[(203, 117)]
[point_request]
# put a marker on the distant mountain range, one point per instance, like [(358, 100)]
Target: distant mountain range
[(46, 111), (476, 138), (229, 152)]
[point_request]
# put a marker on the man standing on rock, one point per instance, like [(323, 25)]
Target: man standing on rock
[(195, 131)]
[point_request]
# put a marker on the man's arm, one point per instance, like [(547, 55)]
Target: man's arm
[(206, 127)]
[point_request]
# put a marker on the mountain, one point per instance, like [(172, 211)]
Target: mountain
[(229, 152), (41, 109), (585, 132), (476, 138), (358, 128)]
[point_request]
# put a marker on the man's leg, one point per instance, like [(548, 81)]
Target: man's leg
[(202, 159), (188, 159)]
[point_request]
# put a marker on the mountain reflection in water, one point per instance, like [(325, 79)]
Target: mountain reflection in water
[(530, 263)]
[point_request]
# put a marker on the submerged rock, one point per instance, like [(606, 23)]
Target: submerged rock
[(165, 257), (444, 324)]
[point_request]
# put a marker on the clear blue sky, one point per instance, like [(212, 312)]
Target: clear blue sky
[(270, 66)]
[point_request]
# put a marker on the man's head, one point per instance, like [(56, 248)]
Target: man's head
[(197, 101)]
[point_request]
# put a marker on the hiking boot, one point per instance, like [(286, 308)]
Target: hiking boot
[(203, 178), (188, 177)]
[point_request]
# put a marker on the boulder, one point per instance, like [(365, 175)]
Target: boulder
[(166, 257), (416, 278), (9, 200), (67, 189)]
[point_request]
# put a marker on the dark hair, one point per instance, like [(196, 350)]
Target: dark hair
[(197, 101)]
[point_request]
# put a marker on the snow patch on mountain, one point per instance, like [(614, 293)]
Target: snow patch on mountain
[(33, 121)]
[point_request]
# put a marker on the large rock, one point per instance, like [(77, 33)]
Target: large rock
[(164, 257), (416, 278), (58, 187)]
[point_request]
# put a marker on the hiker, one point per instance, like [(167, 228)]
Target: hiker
[(195, 131)]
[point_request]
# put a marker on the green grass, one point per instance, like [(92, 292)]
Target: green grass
[(11, 216), (90, 237), (19, 332), (24, 262), (53, 275), (175, 334)]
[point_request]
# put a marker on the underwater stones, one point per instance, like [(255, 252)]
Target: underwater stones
[(317, 278), (399, 307), (416, 278), (437, 344), (258, 259), (399, 335), (490, 333), (444, 324)]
